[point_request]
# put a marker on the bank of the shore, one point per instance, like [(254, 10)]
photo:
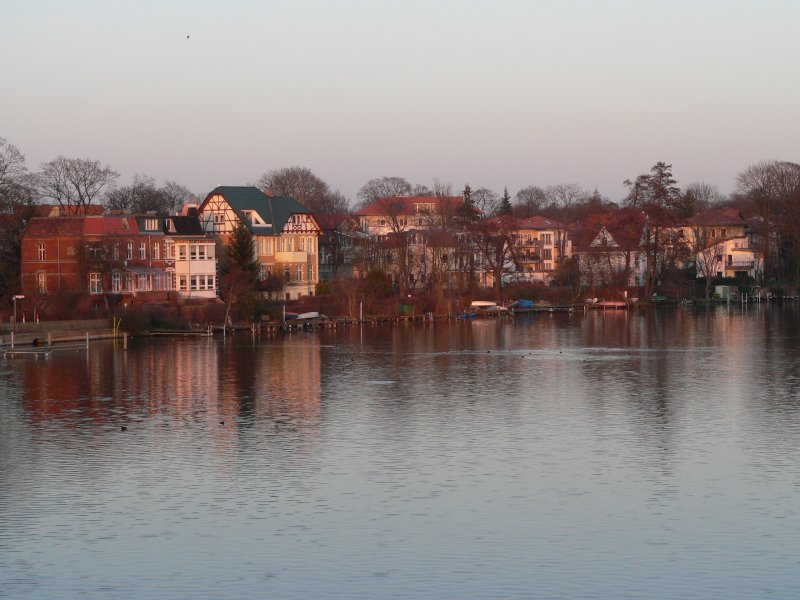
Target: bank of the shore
[(46, 334)]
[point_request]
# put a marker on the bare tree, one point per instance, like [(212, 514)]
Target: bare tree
[(14, 177), (383, 187), (773, 190), (529, 201), (304, 186), (496, 240), (74, 182), (140, 196), (175, 195), (562, 199), (421, 190), (396, 243), (700, 196), (485, 200)]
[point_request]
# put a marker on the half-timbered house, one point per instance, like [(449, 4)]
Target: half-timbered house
[(285, 233)]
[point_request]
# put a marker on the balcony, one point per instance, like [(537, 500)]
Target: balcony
[(291, 257), (739, 264)]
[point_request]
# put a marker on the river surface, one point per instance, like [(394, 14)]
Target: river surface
[(600, 455)]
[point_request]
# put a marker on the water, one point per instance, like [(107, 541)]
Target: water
[(605, 455)]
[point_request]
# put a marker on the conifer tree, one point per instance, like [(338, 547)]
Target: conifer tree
[(505, 203)]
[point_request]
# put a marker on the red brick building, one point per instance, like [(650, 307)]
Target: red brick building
[(111, 257)]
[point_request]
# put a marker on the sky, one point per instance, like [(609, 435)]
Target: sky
[(494, 94)]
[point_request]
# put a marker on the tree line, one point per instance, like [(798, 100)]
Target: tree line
[(767, 193)]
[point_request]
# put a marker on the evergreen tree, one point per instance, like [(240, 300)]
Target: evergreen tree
[(241, 268), (467, 195), (505, 203)]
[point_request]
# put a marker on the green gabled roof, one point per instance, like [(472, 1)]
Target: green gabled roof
[(275, 210)]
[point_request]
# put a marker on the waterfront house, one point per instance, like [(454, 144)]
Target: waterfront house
[(285, 233), (610, 249), (414, 239), (114, 258), (542, 244)]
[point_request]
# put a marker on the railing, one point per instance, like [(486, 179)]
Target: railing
[(747, 264)]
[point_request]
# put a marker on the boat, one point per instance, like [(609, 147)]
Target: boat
[(487, 307), (308, 315)]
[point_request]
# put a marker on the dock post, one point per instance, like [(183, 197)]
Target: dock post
[(49, 338), (12, 340), (125, 340), (87, 339)]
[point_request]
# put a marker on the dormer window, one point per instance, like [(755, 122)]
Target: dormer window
[(151, 224)]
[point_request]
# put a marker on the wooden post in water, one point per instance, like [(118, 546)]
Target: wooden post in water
[(12, 339), (125, 340), (49, 338), (87, 339)]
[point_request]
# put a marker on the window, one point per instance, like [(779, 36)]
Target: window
[(299, 273), (116, 282), (722, 232), (95, 283), (548, 254), (41, 251), (41, 282), (129, 251), (302, 244), (182, 252), (182, 281), (128, 282), (193, 282), (151, 224), (287, 274), (310, 272), (219, 221), (156, 252), (169, 250), (143, 283), (115, 251), (142, 250)]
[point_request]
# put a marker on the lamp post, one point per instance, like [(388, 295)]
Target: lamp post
[(16, 297)]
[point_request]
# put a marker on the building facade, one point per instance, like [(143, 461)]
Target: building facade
[(286, 234), (124, 256)]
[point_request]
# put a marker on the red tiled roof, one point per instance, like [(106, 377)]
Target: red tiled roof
[(624, 225), (716, 216), (404, 205), (331, 221), (110, 225), (49, 227), (539, 222)]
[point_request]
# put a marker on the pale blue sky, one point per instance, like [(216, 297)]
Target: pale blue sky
[(504, 93)]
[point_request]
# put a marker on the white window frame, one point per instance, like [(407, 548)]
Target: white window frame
[(95, 283)]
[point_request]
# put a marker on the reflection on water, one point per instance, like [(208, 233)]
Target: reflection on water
[(597, 455)]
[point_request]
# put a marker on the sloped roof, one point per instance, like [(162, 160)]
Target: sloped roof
[(625, 227), (110, 225), (404, 205), (274, 210), (539, 222), (718, 217), (187, 225), (48, 227)]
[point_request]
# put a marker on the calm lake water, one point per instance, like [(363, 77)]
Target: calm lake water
[(600, 455)]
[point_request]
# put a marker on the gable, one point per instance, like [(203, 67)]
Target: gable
[(603, 239), (301, 223)]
